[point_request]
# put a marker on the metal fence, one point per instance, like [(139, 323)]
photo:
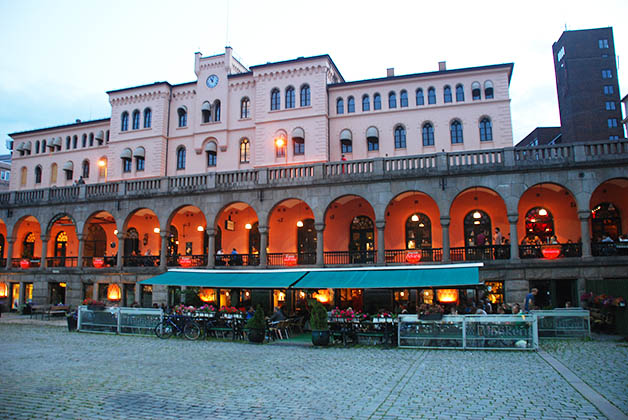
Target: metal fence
[(564, 323), (137, 321), (488, 332)]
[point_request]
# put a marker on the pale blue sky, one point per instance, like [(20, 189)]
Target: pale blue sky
[(58, 58)]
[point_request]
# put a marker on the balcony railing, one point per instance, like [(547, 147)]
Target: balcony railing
[(100, 262), (186, 261), (609, 249), (400, 256), (350, 257), (53, 262), (140, 261), (437, 164), (236, 260), (291, 258), (21, 263), (550, 251), (480, 253)]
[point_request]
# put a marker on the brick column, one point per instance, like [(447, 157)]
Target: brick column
[(211, 248), (81, 242), (120, 250), (263, 244), (163, 249), (10, 241), (444, 222), (584, 216), (513, 218), (44, 250), (320, 254), (381, 243)]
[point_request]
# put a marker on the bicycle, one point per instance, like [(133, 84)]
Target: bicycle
[(172, 324)]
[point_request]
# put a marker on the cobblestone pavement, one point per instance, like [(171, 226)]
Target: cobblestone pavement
[(47, 372)]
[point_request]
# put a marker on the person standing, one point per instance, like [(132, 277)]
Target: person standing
[(498, 237), (530, 300)]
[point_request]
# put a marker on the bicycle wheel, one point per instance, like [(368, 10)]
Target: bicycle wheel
[(192, 331), (164, 330)]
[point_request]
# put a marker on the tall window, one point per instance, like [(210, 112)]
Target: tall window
[(418, 231), (84, 140), (459, 93), (210, 149), (366, 103), (139, 163), (37, 147), (148, 116), (23, 175), (136, 120), (392, 100), (346, 141), (280, 151), (377, 102), (612, 123), (275, 99), (91, 139), (245, 105), (74, 142), (340, 106), (206, 112), (477, 228), (403, 99), (53, 173), (372, 139), (488, 90), (400, 137), (305, 95), (350, 104), (539, 223), (420, 99), (183, 116), (475, 91), (245, 150), (447, 94), (609, 90), (486, 129), (605, 220), (610, 106), (85, 169), (431, 96), (38, 174), (124, 121), (127, 164), (216, 108), (428, 134), (181, 158), (456, 132), (298, 145), (290, 103), (607, 74), (68, 142)]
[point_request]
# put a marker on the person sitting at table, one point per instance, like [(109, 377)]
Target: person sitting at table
[(606, 238), (516, 309), (623, 238), (277, 315), (250, 313)]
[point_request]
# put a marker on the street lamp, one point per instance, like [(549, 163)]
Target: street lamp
[(103, 164)]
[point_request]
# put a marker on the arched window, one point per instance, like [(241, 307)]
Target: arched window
[(477, 228), (68, 168), (340, 106), (475, 91), (210, 149), (488, 90), (459, 93), (431, 96), (447, 94), (216, 109), (124, 121), (350, 104), (254, 239), (91, 136), (68, 142), (102, 168), (53, 173), (420, 99), (346, 141), (306, 242), (456, 132), (366, 103), (372, 139), (206, 112), (275, 99), (605, 220), (392, 100), (298, 141), (23, 175), (281, 146), (403, 99), (486, 129), (136, 120), (85, 169), (183, 116), (181, 157), (305, 95), (61, 246), (37, 147), (107, 136), (43, 145), (28, 246), (290, 102), (245, 106), (361, 240), (377, 102), (38, 174), (427, 133), (245, 150), (131, 242), (400, 137), (418, 231), (539, 224), (84, 140), (148, 116)]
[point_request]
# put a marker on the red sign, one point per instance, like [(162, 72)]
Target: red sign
[(185, 261), (25, 263), (413, 257), (98, 262), (550, 252), (289, 259)]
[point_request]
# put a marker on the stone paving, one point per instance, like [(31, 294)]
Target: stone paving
[(49, 373)]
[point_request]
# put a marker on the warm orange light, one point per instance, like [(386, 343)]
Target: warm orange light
[(207, 295), (281, 297), (248, 226), (551, 252), (323, 296), (279, 142), (62, 284), (200, 228), (4, 290), (447, 295), (300, 223), (477, 215), (156, 230), (113, 292), (542, 212), (102, 163), (415, 218)]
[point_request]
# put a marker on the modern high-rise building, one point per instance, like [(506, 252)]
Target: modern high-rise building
[(586, 82)]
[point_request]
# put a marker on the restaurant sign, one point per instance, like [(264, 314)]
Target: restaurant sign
[(413, 257), (289, 259)]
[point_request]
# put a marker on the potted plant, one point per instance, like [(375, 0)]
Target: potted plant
[(257, 326), (318, 323)]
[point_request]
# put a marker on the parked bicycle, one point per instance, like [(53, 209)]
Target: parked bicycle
[(178, 325)]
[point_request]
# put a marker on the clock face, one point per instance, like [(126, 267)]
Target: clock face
[(212, 81)]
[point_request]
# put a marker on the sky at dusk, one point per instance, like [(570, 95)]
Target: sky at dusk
[(59, 58)]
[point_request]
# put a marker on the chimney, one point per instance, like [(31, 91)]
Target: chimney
[(78, 121), (442, 65), (390, 72)]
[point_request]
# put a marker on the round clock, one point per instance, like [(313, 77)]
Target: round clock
[(212, 81)]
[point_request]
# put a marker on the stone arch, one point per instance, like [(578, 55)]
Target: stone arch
[(402, 206), (283, 224)]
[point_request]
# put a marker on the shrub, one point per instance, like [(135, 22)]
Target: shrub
[(257, 322), (318, 317)]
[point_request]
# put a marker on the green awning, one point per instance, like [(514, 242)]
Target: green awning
[(449, 276), (222, 279)]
